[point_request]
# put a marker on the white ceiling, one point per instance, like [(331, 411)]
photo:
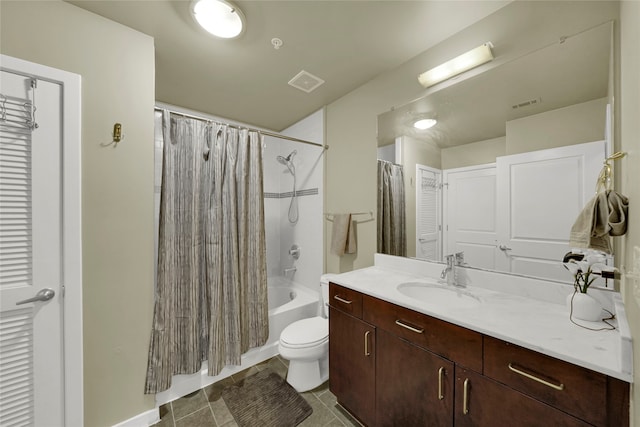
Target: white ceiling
[(345, 43)]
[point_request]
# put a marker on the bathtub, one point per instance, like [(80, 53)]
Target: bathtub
[(288, 302)]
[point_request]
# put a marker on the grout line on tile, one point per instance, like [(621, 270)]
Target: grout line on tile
[(213, 414)]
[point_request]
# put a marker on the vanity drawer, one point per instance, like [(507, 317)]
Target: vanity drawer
[(345, 300), (455, 343), (570, 388)]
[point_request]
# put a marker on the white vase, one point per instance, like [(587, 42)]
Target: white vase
[(585, 307)]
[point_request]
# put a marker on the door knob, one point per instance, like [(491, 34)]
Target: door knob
[(44, 295), (504, 248)]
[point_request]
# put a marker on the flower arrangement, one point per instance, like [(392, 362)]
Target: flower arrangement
[(586, 270)]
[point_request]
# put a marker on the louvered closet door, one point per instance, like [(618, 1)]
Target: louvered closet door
[(428, 217), (31, 363)]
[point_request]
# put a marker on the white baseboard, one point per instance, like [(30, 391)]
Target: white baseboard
[(145, 419)]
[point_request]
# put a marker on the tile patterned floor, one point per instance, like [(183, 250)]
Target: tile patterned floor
[(206, 408)]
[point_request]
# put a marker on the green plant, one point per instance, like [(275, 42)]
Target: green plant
[(585, 271)]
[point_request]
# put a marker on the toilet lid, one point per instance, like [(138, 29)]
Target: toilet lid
[(306, 332)]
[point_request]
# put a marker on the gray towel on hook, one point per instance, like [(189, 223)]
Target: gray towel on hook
[(618, 211), (590, 228), (603, 216), (343, 239)]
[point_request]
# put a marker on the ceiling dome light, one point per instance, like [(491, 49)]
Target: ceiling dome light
[(218, 17), (425, 124)]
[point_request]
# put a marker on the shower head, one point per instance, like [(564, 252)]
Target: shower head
[(287, 161), (284, 160)]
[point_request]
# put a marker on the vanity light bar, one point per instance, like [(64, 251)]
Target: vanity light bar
[(471, 59)]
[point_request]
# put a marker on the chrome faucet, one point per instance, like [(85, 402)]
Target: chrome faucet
[(449, 272)]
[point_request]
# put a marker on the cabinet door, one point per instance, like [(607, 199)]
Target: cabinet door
[(414, 387), (352, 358), (481, 401)]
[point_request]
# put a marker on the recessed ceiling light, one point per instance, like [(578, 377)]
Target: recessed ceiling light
[(423, 124), (219, 17)]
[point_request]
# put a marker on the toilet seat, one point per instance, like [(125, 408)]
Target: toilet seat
[(306, 333)]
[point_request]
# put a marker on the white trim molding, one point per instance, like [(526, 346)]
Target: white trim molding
[(144, 419)]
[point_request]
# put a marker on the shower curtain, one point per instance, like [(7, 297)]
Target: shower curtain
[(211, 293), (392, 238)]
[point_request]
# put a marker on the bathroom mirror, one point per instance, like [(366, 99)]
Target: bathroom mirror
[(555, 96)]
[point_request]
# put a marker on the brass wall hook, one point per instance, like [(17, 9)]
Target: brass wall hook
[(604, 178), (117, 133)]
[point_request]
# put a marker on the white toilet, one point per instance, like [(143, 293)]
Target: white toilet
[(305, 344)]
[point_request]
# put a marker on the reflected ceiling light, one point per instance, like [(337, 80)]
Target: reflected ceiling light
[(460, 64), (423, 124), (218, 17)]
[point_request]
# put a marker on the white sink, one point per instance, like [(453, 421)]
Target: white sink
[(442, 295)]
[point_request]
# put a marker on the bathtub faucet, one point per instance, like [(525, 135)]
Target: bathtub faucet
[(290, 270)]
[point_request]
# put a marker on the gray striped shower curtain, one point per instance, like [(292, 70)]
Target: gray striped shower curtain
[(211, 293), (391, 221)]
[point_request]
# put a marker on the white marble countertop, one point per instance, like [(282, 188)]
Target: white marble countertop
[(509, 311)]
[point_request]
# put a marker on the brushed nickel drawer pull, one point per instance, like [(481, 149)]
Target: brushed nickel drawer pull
[(465, 397), (342, 299), (532, 377), (409, 327), (440, 374), (366, 344)]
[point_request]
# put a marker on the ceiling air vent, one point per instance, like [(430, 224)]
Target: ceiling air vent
[(528, 103), (305, 81)]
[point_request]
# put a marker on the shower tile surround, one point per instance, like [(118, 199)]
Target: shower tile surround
[(206, 407), (278, 185)]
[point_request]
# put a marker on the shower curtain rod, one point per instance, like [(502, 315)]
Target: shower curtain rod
[(263, 132)]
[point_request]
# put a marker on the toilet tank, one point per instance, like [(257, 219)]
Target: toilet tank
[(324, 293)]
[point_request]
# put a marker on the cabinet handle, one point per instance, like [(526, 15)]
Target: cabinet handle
[(366, 344), (559, 387), (342, 299), (465, 397), (409, 327), (441, 372)]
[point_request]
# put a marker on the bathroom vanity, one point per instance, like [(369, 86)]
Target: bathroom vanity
[(407, 350)]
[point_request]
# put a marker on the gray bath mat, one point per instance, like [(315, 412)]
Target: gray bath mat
[(265, 399)]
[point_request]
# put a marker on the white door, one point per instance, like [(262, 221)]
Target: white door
[(470, 210), (31, 357), (428, 213), (540, 194)]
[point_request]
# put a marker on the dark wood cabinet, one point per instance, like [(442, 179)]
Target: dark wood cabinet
[(414, 387), (460, 345), (591, 396), (483, 402), (352, 363), (392, 366)]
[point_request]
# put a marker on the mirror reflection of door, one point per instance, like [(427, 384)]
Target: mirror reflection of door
[(428, 213), (470, 212), (540, 194), (515, 215)]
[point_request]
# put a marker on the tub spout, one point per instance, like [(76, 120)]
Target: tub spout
[(290, 270)]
